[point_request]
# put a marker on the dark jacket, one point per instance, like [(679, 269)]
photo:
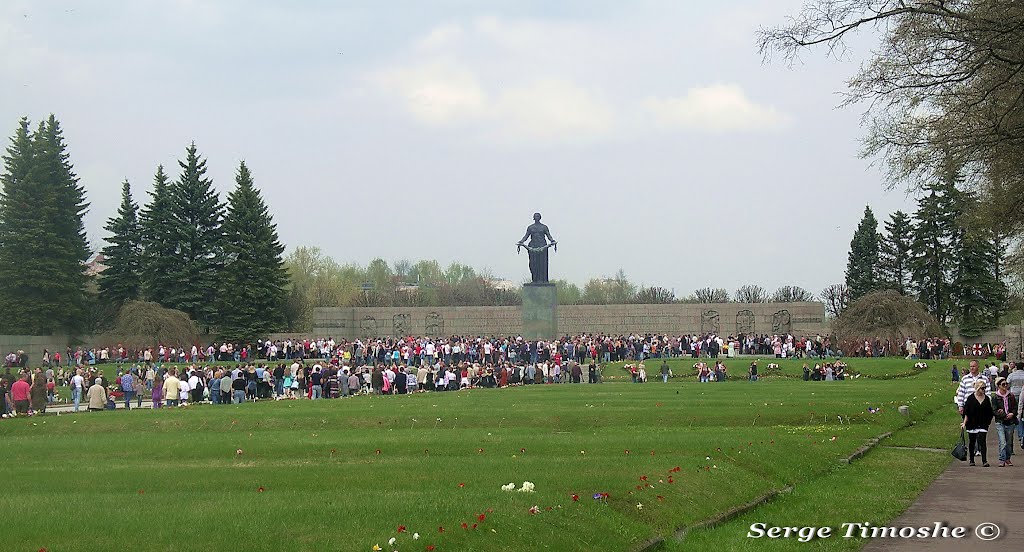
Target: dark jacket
[(979, 415), (997, 406)]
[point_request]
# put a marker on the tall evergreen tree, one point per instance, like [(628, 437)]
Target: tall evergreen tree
[(254, 277), (894, 253), (977, 291), (122, 280), (862, 263), (42, 234), (159, 243), (196, 216), (935, 243)]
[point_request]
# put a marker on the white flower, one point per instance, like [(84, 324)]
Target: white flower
[(391, 541), (527, 487), (639, 506), (415, 536), (508, 487)]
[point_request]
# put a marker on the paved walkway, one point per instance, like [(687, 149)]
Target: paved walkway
[(964, 496)]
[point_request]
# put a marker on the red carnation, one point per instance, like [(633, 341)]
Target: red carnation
[(575, 498), (401, 528), (481, 517)]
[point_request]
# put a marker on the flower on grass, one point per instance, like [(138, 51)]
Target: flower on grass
[(391, 541), (639, 506), (479, 451), (465, 525), (627, 451), (415, 536), (440, 529), (378, 451), (643, 478), (834, 437), (534, 510), (430, 547), (600, 496), (260, 489), (575, 497), (474, 526), (461, 485), (508, 487), (670, 480), (481, 517), (238, 452), (527, 487), (652, 453), (401, 528), (376, 547), (523, 450), (661, 498)]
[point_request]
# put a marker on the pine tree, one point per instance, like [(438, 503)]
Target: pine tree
[(977, 292), (159, 245), (894, 253), (936, 240), (42, 234), (196, 216), (862, 263), (122, 280), (254, 278)]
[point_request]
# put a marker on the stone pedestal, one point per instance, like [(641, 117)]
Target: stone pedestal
[(540, 311)]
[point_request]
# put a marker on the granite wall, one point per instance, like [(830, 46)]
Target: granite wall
[(676, 319)]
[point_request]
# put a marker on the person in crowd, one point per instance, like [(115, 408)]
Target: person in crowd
[(77, 388), (172, 388), (967, 385), (157, 392), (1016, 379), (1004, 405), (38, 394), (978, 414), (21, 393), (97, 396), (238, 389)]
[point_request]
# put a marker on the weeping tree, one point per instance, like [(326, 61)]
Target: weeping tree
[(142, 323), (885, 315)]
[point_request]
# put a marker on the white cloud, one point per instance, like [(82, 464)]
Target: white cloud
[(715, 108), (553, 110), (435, 92)]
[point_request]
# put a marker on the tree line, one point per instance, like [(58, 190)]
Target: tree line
[(219, 262), (944, 114), (944, 257)]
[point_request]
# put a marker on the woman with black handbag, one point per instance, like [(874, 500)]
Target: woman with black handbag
[(978, 416)]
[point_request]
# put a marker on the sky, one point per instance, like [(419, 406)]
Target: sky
[(651, 135)]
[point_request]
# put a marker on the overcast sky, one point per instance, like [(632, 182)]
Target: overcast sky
[(650, 135)]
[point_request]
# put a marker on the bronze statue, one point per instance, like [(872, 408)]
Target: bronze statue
[(538, 235)]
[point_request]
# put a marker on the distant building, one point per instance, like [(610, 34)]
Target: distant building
[(95, 265)]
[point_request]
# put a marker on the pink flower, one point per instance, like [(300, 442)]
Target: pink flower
[(534, 510)]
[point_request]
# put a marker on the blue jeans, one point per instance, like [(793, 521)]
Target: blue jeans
[(318, 392), (76, 397), (1005, 434), (215, 396), (279, 388), (128, 395), (239, 396)]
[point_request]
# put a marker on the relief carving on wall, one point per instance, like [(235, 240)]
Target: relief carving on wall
[(400, 324), (709, 323), (782, 322), (435, 324), (744, 322)]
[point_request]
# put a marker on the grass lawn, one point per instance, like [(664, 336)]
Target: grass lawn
[(347, 474)]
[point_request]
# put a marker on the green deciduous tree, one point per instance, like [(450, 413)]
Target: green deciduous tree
[(42, 235), (122, 280), (862, 262), (894, 253), (197, 215), (253, 278)]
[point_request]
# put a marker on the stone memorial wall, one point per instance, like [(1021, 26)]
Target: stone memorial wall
[(676, 319)]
